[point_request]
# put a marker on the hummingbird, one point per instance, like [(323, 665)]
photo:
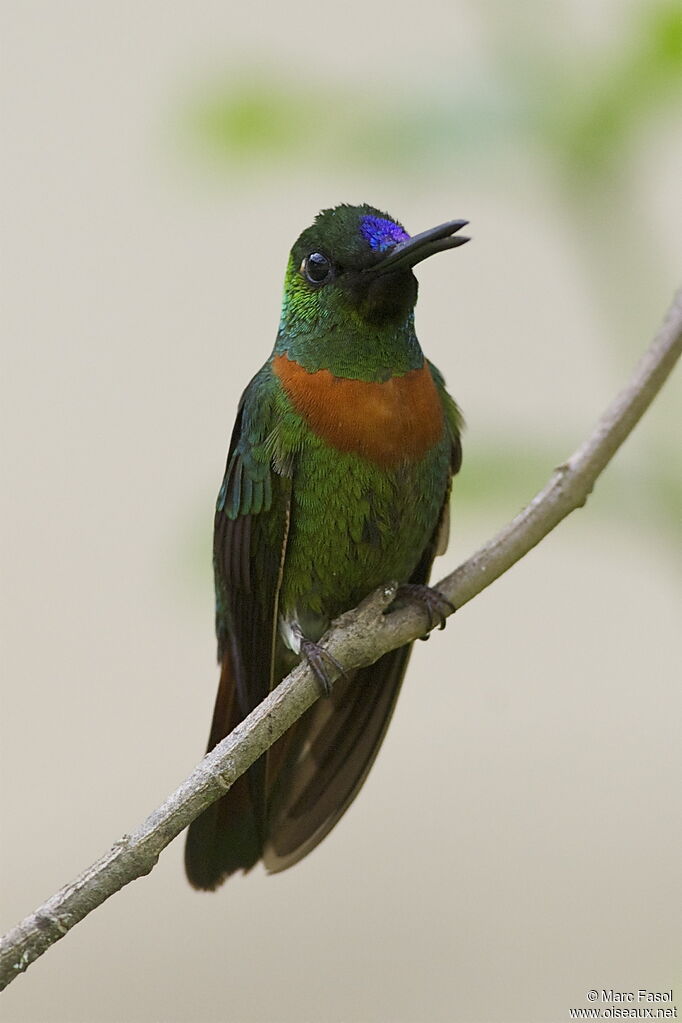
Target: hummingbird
[(337, 481)]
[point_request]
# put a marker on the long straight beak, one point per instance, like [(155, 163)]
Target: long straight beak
[(413, 250)]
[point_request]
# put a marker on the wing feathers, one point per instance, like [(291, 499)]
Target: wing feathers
[(250, 534)]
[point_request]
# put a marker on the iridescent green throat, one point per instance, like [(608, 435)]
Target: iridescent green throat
[(323, 329)]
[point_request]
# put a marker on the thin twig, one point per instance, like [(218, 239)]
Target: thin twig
[(358, 638)]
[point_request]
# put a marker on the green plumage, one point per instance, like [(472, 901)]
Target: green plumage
[(305, 530)]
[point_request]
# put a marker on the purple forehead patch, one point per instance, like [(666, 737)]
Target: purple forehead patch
[(382, 234)]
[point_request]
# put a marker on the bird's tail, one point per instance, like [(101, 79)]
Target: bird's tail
[(225, 837)]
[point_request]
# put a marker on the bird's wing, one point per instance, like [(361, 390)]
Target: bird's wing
[(250, 537), (327, 755)]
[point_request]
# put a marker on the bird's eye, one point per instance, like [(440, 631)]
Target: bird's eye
[(316, 267)]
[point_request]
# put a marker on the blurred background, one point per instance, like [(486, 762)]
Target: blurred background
[(159, 160)]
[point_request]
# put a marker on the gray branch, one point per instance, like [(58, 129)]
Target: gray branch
[(358, 638)]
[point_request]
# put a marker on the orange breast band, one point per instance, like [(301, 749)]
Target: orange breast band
[(387, 423)]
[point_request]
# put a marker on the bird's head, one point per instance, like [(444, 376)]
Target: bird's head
[(355, 263)]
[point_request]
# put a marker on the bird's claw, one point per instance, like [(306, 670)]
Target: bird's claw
[(437, 606), (316, 656)]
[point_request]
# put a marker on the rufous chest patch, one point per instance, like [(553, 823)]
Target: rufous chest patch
[(388, 423)]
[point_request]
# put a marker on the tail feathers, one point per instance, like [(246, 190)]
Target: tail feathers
[(331, 751), (313, 774), (225, 837)]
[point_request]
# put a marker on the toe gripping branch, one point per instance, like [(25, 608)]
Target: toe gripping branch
[(436, 606), (318, 658)]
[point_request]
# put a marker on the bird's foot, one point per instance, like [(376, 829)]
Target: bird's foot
[(437, 606), (318, 658)]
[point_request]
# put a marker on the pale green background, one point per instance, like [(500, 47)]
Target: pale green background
[(519, 840)]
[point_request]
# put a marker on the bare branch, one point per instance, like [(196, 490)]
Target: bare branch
[(358, 638)]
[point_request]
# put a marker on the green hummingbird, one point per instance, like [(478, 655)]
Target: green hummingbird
[(337, 480)]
